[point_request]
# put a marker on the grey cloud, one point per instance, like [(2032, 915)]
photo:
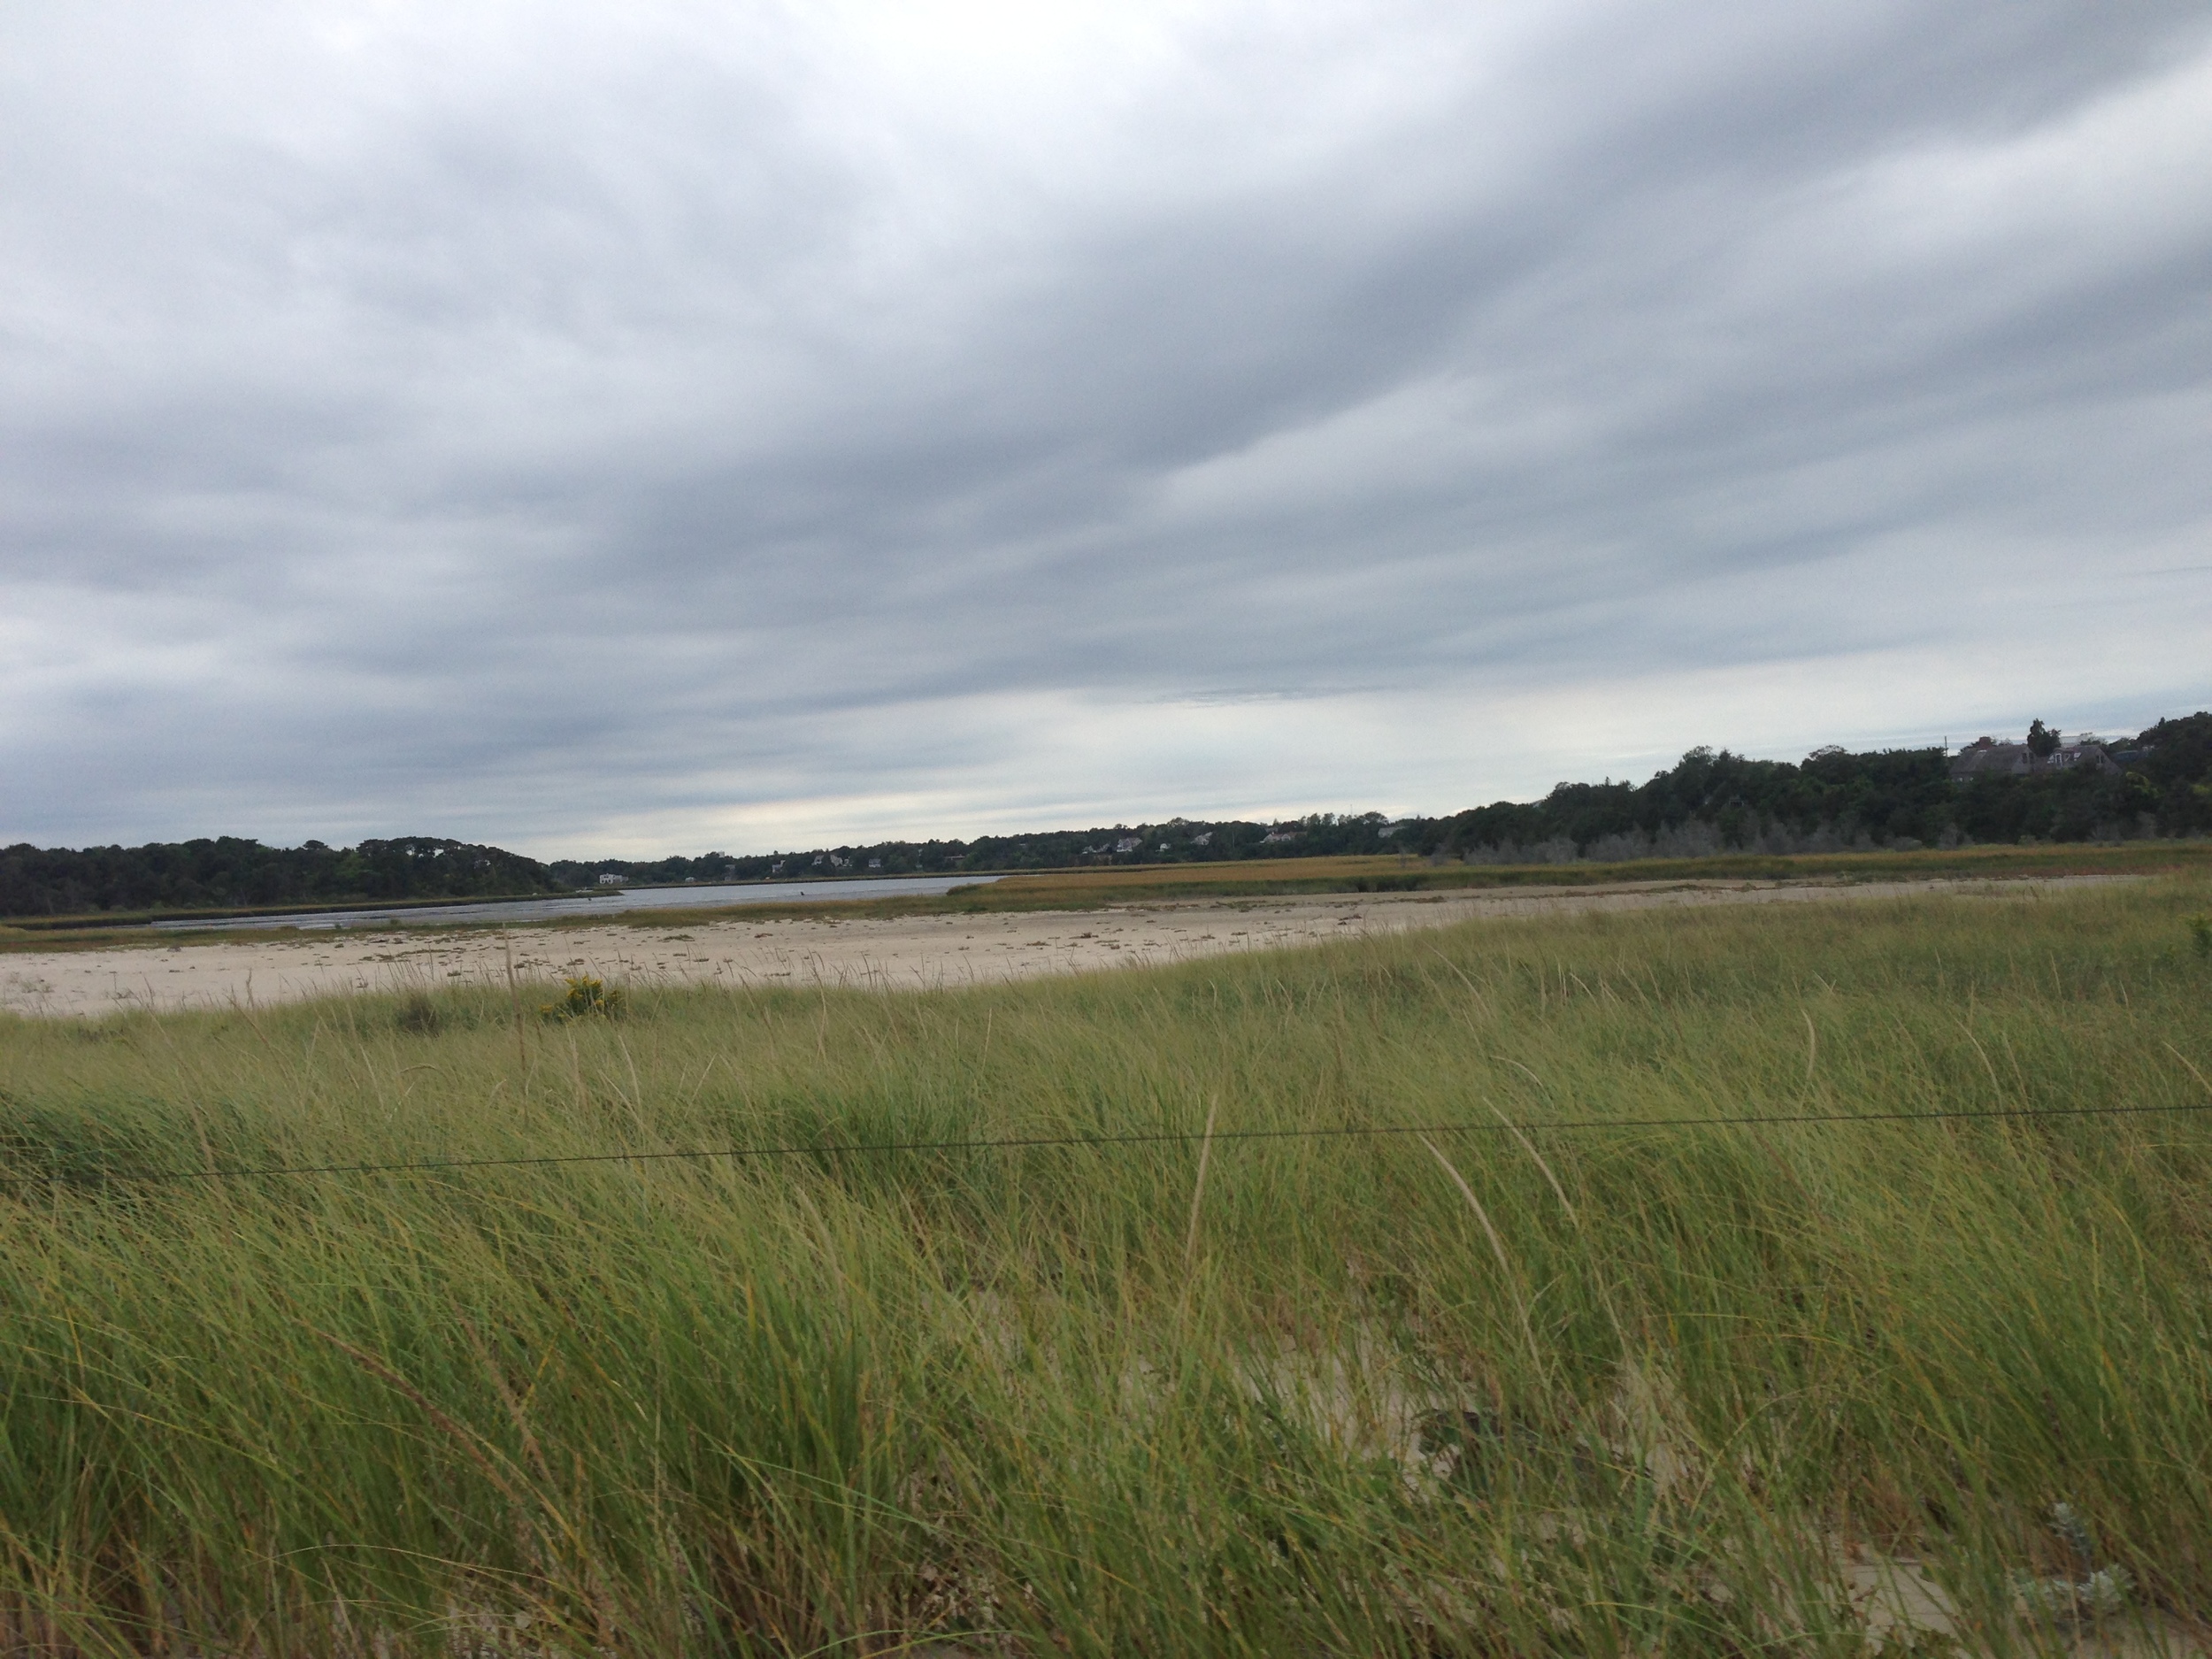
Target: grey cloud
[(551, 430)]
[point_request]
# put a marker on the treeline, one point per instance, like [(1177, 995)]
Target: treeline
[(1178, 840), (2157, 783), (232, 873)]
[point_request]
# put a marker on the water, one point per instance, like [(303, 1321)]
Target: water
[(612, 902)]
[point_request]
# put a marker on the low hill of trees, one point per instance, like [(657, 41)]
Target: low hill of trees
[(2158, 783), (232, 873)]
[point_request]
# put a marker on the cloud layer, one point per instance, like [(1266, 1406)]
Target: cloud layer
[(632, 430)]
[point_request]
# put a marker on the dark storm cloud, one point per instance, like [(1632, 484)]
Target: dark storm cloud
[(724, 427)]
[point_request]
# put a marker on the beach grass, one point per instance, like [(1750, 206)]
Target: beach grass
[(1594, 1364)]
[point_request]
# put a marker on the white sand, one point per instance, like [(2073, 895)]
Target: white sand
[(909, 952)]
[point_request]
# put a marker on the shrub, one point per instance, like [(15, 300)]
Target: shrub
[(586, 996), (419, 1015)]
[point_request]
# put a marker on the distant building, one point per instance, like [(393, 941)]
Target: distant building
[(1205, 838), (1283, 833), (2084, 756), (875, 864), (611, 880), (1986, 757), (1129, 844)]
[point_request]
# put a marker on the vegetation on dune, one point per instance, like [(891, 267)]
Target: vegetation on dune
[(1646, 1385)]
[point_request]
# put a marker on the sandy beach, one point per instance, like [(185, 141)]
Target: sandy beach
[(906, 953)]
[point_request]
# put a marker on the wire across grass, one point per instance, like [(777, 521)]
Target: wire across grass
[(1643, 1385)]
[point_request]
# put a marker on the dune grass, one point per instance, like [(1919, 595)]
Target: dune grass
[(1640, 1387)]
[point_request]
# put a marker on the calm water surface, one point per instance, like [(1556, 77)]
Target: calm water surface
[(608, 903)]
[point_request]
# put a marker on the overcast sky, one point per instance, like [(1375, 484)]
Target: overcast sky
[(635, 429)]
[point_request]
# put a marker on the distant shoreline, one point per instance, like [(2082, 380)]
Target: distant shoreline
[(123, 919), (650, 948)]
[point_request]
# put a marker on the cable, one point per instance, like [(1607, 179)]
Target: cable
[(1146, 1138)]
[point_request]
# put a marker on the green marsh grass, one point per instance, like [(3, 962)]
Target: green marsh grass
[(1650, 1387)]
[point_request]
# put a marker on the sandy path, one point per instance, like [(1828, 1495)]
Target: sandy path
[(906, 952)]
